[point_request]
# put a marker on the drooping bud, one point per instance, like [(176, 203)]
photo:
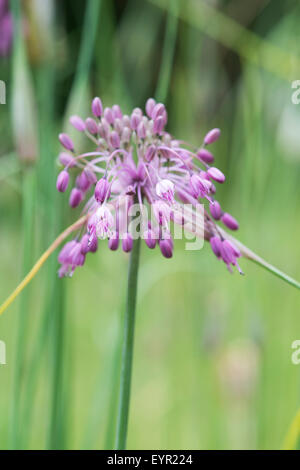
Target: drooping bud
[(75, 197), (216, 243), (66, 159), (216, 174), (150, 153), (215, 210), (230, 221), (166, 247), (158, 110), (212, 136), (150, 238), (127, 242), (97, 108), (158, 125), (66, 142), (78, 123), (62, 181), (205, 156), (102, 190), (91, 126), (113, 242), (82, 182)]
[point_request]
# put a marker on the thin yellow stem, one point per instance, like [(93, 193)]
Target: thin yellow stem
[(41, 261)]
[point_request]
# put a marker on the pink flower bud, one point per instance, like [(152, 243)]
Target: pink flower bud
[(150, 238), (215, 210), (116, 110), (230, 221), (127, 242), (62, 181), (205, 156), (113, 242), (97, 108), (158, 125), (83, 182), (91, 126), (212, 136), (75, 197), (66, 142), (134, 121), (141, 130), (78, 123), (216, 174), (150, 104), (150, 152), (166, 248), (67, 160), (114, 139), (108, 115), (158, 110), (102, 190), (216, 245)]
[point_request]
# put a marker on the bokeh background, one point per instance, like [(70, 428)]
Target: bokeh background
[(212, 361)]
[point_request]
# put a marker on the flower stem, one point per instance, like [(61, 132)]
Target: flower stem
[(127, 353)]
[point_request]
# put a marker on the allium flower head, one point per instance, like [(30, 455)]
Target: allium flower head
[(136, 162)]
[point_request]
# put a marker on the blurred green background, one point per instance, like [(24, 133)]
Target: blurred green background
[(212, 360)]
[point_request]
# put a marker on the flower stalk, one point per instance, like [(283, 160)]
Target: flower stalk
[(127, 353)]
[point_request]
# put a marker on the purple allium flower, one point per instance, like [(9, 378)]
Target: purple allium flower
[(136, 163), (6, 28)]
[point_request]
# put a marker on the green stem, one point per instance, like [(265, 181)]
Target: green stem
[(127, 353), (168, 51)]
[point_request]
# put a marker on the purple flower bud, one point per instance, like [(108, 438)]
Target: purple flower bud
[(215, 210), (102, 190), (116, 110), (230, 221), (150, 152), (134, 121), (93, 243), (127, 242), (158, 125), (62, 181), (141, 130), (216, 174), (66, 142), (216, 245), (82, 182), (118, 125), (78, 123), (108, 115), (126, 134), (150, 238), (85, 244), (75, 198), (92, 178), (212, 136), (150, 104), (158, 110), (97, 108), (91, 126), (113, 242), (66, 159), (114, 139), (166, 247), (205, 156), (64, 253)]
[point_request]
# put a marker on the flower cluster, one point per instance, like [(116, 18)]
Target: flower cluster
[(6, 28), (132, 160)]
